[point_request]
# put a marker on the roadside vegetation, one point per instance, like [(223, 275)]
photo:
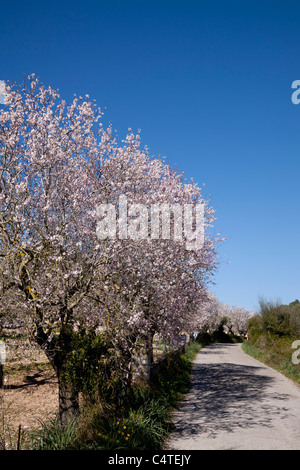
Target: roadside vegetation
[(143, 421), (272, 334)]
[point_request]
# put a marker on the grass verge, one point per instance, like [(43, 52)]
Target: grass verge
[(275, 352)]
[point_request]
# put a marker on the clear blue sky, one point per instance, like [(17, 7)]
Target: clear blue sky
[(209, 85)]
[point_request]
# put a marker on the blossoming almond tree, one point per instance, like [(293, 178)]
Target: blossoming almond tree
[(165, 280), (57, 165), (47, 231), (214, 314)]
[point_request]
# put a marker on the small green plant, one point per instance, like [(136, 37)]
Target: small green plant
[(52, 436), (139, 429)]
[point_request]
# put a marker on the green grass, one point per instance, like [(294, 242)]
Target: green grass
[(253, 351), (52, 436), (139, 428), (275, 352)]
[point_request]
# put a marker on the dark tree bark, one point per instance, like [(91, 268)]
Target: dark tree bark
[(57, 351), (68, 401), (149, 354), (68, 395)]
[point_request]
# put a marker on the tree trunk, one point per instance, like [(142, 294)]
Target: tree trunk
[(149, 354), (57, 351), (67, 393), (68, 401), (126, 375)]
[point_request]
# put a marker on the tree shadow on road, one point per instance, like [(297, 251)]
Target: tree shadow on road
[(227, 397)]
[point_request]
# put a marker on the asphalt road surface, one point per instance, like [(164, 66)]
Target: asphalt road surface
[(236, 402)]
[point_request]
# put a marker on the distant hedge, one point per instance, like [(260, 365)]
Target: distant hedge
[(277, 319), (271, 334)]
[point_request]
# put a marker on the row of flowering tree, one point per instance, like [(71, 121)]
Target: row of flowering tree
[(58, 165), (216, 315)]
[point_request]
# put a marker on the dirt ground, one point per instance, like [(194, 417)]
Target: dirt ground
[(30, 393)]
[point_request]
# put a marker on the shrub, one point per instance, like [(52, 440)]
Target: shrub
[(92, 366), (277, 319)]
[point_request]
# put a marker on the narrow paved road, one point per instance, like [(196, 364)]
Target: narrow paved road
[(236, 402)]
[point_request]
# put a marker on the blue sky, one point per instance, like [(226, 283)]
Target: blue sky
[(209, 85)]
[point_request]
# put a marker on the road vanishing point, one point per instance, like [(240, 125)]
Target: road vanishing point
[(235, 402)]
